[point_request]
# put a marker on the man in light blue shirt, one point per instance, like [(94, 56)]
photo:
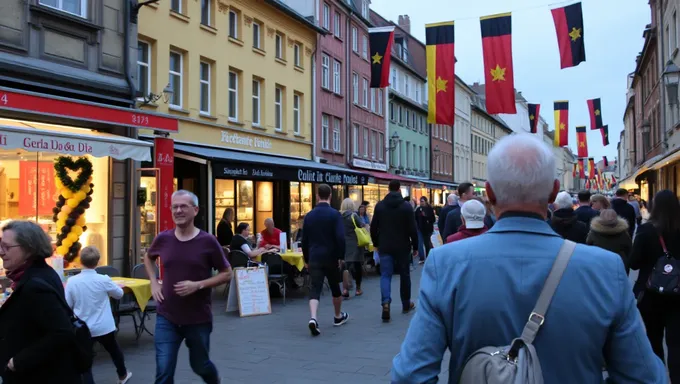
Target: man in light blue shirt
[(480, 291)]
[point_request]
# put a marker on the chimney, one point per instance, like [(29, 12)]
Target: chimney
[(405, 23)]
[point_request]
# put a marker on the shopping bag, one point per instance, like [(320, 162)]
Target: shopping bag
[(363, 238)]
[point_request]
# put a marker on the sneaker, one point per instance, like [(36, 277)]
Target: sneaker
[(385, 313), (314, 327), (126, 379), (410, 308), (342, 320), (421, 262)]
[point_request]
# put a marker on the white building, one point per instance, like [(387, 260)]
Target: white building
[(462, 134)]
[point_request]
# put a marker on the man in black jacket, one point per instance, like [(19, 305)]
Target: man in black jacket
[(425, 223), (395, 238), (585, 213), (625, 210), (451, 204)]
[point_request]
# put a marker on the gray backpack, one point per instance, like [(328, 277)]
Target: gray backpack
[(518, 363)]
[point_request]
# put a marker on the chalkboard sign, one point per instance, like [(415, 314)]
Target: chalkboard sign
[(252, 287)]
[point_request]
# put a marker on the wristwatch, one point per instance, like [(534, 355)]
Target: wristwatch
[(200, 286)]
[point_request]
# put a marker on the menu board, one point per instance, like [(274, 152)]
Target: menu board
[(252, 287)]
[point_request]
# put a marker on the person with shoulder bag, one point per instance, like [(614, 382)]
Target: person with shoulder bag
[(356, 239)]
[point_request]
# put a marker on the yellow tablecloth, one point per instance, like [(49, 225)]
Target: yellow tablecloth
[(293, 258), (141, 288)]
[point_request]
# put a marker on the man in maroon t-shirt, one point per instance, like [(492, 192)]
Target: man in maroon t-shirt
[(184, 307)]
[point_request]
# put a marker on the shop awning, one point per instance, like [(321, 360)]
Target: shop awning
[(628, 183), (39, 137), (390, 176), (667, 160), (244, 165)]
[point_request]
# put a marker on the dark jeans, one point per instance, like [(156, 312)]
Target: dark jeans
[(356, 268), (168, 338), (387, 265), (427, 242), (663, 314), (111, 346)]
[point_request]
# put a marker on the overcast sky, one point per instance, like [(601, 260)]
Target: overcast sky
[(612, 34)]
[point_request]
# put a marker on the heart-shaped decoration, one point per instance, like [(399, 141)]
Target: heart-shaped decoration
[(82, 165)]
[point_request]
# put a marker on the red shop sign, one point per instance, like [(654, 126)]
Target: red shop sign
[(164, 160)]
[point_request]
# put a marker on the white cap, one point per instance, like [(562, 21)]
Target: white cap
[(473, 212)]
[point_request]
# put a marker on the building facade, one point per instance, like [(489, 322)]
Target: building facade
[(483, 127), (462, 133)]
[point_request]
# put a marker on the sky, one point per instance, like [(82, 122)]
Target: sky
[(612, 35)]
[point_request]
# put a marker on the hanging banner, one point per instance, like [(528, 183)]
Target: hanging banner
[(381, 53), (37, 191), (498, 70), (441, 77), (582, 141), (561, 123), (164, 160), (595, 111), (569, 26), (605, 135), (534, 111)]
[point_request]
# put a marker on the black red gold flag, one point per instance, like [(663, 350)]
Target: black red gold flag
[(561, 123), (534, 111), (613, 179), (581, 141), (595, 110), (587, 184), (581, 169), (569, 27), (605, 135), (441, 75), (575, 171), (591, 167), (380, 43), (498, 71), (606, 162)]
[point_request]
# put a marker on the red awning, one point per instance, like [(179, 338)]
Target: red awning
[(390, 176)]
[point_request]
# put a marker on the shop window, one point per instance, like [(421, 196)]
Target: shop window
[(265, 204), (372, 195), (253, 202), (356, 194), (225, 194), (74, 7), (148, 209), (245, 202), (300, 205), (337, 196)]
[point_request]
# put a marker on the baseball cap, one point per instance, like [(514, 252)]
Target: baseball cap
[(473, 212)]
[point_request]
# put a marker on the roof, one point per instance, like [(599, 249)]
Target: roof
[(477, 105), (296, 16)]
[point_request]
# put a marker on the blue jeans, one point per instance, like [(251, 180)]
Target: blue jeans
[(168, 338), (387, 263)]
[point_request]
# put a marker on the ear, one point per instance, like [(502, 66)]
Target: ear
[(490, 193), (555, 191)]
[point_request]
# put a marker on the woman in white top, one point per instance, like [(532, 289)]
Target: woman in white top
[(88, 294)]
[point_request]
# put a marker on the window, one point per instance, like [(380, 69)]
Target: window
[(400, 117), (175, 5), (337, 25), (257, 35), (407, 83), (205, 87), (355, 42), (279, 46), (205, 12), (381, 146), (408, 117), (233, 24), (297, 48), (674, 30), (75, 7), (364, 9), (256, 101), (278, 108), (336, 135), (374, 144), (355, 139), (364, 47), (417, 88), (408, 154), (355, 88), (365, 94), (393, 82), (296, 114), (143, 68), (233, 96), (421, 159), (325, 72), (391, 108), (176, 79), (336, 77), (365, 142), (324, 131), (326, 16), (373, 100)]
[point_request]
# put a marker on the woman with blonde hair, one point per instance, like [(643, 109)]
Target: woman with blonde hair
[(354, 255), (599, 202)]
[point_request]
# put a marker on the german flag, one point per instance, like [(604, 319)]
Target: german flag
[(595, 109), (380, 42), (581, 169), (582, 141), (613, 180), (605, 135), (561, 123), (534, 110), (591, 167), (605, 161), (587, 184), (498, 73), (569, 26), (441, 75)]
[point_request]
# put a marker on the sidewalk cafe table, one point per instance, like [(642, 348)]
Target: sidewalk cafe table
[(293, 258), (141, 288)]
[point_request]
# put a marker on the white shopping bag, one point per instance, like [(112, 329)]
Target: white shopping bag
[(436, 239), (376, 257)]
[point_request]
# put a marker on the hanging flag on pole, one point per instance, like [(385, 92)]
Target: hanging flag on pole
[(613, 179), (569, 26), (561, 123), (582, 141), (498, 71), (441, 75), (591, 168), (605, 135), (606, 162), (380, 43), (581, 169), (587, 184), (575, 171), (534, 110), (595, 110)]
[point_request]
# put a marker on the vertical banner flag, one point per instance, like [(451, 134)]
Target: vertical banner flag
[(613, 180), (562, 123), (581, 169), (498, 72), (441, 75), (582, 141), (605, 135), (380, 43), (587, 184), (574, 172), (534, 110), (591, 168), (569, 25), (606, 162), (595, 110), (164, 160)]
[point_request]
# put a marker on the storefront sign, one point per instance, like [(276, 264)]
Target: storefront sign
[(274, 172), (164, 160), (37, 192), (79, 110), (245, 140), (359, 163)]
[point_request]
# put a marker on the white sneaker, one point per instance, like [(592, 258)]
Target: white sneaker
[(126, 379)]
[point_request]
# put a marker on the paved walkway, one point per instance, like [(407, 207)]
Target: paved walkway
[(278, 348)]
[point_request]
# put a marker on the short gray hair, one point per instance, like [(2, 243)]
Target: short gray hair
[(564, 200), (521, 170), (184, 192), (90, 256), (31, 238), (452, 198)]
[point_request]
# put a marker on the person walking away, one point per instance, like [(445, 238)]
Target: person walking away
[(394, 235), (354, 255), (480, 292), (585, 213), (473, 213), (323, 248), (620, 204), (451, 204), (224, 232), (466, 191), (632, 200), (660, 312), (88, 294), (564, 221), (609, 231), (36, 335), (599, 202), (189, 255), (425, 222)]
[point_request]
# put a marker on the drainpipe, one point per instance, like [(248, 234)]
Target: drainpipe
[(348, 89), (130, 239), (314, 94), (661, 85), (386, 145)]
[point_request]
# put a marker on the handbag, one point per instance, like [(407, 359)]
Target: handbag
[(665, 277), (363, 238)]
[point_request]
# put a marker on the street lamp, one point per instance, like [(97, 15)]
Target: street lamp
[(394, 141), (436, 151), (152, 97), (671, 79)]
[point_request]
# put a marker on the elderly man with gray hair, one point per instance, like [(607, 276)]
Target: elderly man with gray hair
[(451, 204), (479, 292), (565, 222)]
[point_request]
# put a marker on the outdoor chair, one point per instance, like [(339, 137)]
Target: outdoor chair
[(238, 259), (126, 306), (274, 264)]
